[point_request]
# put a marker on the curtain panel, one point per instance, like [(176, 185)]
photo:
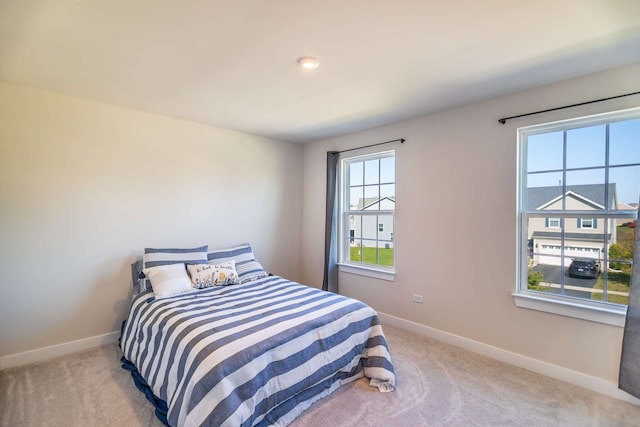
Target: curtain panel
[(330, 280), (629, 377)]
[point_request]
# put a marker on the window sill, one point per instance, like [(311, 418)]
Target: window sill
[(376, 273), (576, 309)]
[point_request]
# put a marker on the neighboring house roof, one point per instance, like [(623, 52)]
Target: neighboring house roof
[(379, 201), (365, 202), (627, 206), (538, 197), (370, 201), (570, 236)]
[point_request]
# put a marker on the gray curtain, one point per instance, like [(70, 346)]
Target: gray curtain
[(629, 379), (330, 280)]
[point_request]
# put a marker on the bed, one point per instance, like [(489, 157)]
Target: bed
[(250, 354)]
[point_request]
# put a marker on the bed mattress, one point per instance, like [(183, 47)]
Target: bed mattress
[(258, 353)]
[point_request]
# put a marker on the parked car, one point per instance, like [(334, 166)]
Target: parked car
[(584, 268)]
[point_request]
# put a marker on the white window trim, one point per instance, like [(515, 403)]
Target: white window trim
[(376, 273), (575, 308), (368, 270), (607, 313), (554, 226)]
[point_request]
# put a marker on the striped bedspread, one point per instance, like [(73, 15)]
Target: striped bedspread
[(258, 353)]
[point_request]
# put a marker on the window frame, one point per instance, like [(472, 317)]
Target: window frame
[(344, 237), (602, 312)]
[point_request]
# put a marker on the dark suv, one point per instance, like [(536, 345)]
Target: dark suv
[(584, 268)]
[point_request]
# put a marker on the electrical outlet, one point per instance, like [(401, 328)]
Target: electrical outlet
[(417, 298)]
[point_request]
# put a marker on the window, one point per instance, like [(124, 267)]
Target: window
[(586, 223), (368, 198), (577, 205), (553, 223)]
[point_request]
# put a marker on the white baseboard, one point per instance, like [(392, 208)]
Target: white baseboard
[(45, 353), (580, 379)]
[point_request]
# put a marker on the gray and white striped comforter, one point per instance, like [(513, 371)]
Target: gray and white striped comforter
[(258, 353)]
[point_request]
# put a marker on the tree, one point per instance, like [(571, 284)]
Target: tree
[(619, 251), (533, 279)]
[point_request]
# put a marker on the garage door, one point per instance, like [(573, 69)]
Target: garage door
[(570, 252)]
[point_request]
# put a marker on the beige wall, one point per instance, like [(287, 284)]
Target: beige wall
[(84, 187), (456, 225)]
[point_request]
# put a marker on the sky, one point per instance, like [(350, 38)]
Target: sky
[(586, 147), (379, 172)]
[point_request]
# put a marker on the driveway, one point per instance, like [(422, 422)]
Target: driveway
[(555, 273)]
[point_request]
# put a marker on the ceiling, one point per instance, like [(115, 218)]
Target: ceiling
[(233, 63)]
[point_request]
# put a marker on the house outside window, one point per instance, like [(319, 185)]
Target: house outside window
[(579, 185), (368, 211)]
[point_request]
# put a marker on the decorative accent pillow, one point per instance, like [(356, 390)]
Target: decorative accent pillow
[(250, 270), (247, 265), (207, 275), (154, 257), (169, 280)]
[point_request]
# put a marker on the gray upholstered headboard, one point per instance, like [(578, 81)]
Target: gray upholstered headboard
[(136, 275)]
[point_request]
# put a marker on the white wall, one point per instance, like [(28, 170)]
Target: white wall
[(455, 224), (84, 187)]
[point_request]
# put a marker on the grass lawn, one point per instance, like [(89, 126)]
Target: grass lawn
[(385, 256), (615, 282)]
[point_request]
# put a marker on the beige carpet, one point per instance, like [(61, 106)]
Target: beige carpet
[(438, 385)]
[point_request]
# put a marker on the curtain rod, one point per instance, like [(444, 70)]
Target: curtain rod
[(373, 145), (504, 119)]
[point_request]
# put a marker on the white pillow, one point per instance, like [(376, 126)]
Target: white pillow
[(169, 280), (154, 257), (207, 275)]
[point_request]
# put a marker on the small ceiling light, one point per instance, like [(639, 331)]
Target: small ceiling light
[(308, 64)]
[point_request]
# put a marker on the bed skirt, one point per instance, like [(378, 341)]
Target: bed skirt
[(159, 404)]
